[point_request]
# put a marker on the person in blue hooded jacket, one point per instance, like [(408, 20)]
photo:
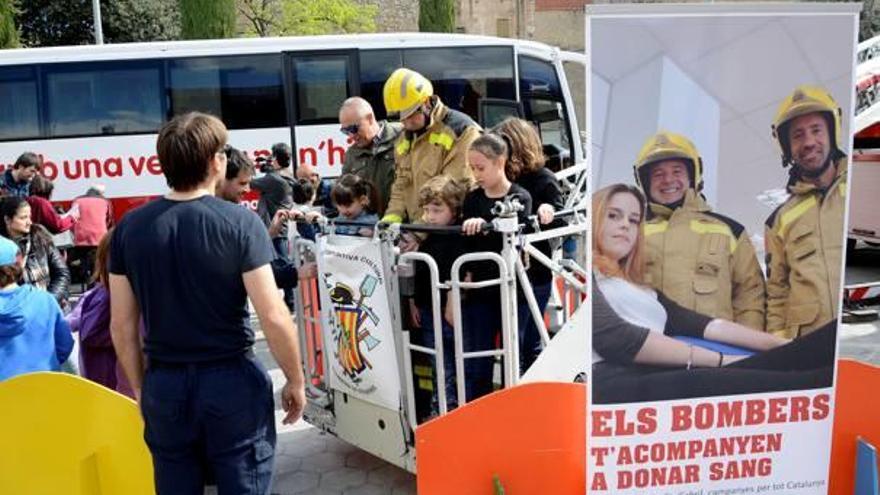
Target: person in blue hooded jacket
[(33, 333)]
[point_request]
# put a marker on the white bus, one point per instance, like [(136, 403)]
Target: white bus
[(92, 112)]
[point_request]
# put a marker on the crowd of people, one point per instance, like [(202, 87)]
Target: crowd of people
[(666, 265), (196, 248), (29, 222)]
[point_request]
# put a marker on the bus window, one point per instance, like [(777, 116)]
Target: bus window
[(103, 98), (322, 84), (244, 91), (463, 76), (375, 67), (549, 118), (538, 77), (19, 113), (543, 102)]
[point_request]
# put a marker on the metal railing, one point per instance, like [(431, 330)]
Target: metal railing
[(511, 273)]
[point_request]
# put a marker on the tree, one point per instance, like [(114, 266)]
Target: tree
[(8, 31), (140, 20), (70, 22), (305, 17), (436, 16), (207, 19), (327, 17), (56, 22), (262, 16)]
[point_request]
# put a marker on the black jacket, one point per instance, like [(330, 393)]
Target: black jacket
[(543, 187), (44, 267)]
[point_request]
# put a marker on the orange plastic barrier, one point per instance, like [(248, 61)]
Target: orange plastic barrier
[(532, 437), (856, 414)]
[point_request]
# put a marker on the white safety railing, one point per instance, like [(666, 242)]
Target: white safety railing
[(511, 274)]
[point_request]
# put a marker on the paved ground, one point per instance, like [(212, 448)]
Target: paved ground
[(309, 461)]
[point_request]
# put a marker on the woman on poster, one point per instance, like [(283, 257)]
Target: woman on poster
[(636, 358)]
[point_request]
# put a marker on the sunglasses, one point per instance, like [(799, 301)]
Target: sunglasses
[(350, 130)]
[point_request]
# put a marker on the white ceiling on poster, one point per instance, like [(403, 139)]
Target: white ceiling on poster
[(748, 64)]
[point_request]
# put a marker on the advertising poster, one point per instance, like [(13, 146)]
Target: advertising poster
[(721, 148), (357, 332)]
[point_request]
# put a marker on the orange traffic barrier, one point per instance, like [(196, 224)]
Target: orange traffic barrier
[(855, 415), (531, 437)]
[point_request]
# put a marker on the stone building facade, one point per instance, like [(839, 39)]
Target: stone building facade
[(504, 18), (396, 15)]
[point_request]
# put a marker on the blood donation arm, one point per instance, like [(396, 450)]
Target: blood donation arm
[(728, 332)]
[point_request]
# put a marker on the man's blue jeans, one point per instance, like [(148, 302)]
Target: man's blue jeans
[(213, 417)]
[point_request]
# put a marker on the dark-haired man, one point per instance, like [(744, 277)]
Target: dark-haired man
[(804, 236), (239, 171), (188, 262), (17, 180)]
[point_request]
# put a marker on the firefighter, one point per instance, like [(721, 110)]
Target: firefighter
[(435, 142), (804, 236), (700, 259)]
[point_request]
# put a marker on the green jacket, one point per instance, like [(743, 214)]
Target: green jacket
[(376, 163)]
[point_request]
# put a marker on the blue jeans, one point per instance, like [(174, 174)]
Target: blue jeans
[(426, 338), (530, 344), (281, 250), (214, 418), (482, 323)]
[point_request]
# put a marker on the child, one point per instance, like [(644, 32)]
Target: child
[(525, 166), (303, 197), (355, 199), (481, 309), (91, 320), (33, 333), (440, 199)]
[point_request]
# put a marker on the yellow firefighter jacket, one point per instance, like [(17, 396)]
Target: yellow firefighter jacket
[(704, 261), (441, 149), (803, 241)]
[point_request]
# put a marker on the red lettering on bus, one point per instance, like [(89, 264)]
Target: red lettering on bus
[(332, 151), (309, 155), (153, 165), (116, 164), (137, 167)]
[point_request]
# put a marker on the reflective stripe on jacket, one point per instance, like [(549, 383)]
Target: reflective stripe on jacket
[(440, 150), (705, 262), (804, 244)]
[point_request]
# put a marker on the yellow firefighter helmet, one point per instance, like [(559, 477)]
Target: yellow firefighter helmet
[(803, 100), (404, 91), (668, 146)]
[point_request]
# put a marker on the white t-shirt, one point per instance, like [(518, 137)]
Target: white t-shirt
[(635, 304)]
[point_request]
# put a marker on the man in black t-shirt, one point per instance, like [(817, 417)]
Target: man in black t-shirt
[(188, 262)]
